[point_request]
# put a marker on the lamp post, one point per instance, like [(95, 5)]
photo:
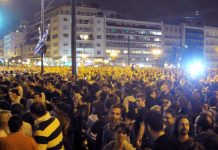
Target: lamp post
[(156, 53), (84, 38), (129, 53), (113, 56)]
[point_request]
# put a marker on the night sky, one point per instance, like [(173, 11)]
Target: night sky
[(13, 11)]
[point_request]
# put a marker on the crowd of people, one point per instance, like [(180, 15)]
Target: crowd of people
[(108, 108)]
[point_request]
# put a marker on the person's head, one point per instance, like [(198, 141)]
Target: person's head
[(203, 122), (14, 92), (110, 100), (37, 97), (183, 126), (4, 105), (107, 88), (213, 101), (165, 87), (115, 113), (37, 109), (50, 85), (130, 118), (153, 93), (121, 133), (169, 117), (140, 100), (153, 123), (15, 123), (31, 89), (16, 109)]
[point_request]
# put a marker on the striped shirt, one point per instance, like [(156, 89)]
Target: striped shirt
[(48, 134)]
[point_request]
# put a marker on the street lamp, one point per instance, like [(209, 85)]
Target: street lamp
[(84, 38), (113, 56), (64, 59), (156, 53)]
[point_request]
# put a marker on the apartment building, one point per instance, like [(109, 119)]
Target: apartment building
[(13, 44), (172, 43), (103, 36), (211, 46)]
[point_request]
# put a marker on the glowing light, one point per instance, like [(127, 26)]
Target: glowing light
[(195, 69), (165, 65), (141, 65), (156, 52)]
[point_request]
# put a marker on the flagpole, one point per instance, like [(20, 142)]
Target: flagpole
[(42, 31)]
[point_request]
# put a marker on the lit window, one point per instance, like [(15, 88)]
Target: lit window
[(125, 52), (157, 39)]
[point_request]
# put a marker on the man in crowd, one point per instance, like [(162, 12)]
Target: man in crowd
[(169, 117), (154, 127), (115, 119), (48, 134), (183, 130), (17, 140), (204, 133), (139, 124)]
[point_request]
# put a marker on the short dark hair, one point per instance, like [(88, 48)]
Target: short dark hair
[(38, 109), (123, 127), (205, 121), (141, 95), (171, 111), (154, 120), (15, 123), (16, 109), (15, 91), (4, 105)]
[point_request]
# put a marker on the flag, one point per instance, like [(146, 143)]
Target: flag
[(41, 42)]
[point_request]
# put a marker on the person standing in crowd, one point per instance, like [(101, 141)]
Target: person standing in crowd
[(204, 133), (4, 117), (17, 140), (154, 128), (17, 109), (51, 91), (120, 141), (183, 131), (169, 117), (141, 102), (153, 98), (115, 119), (48, 134)]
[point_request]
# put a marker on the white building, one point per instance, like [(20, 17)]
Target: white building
[(172, 45), (133, 40), (13, 44), (211, 46)]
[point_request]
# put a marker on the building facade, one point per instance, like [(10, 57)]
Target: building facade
[(172, 46), (13, 45), (211, 46), (102, 36)]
